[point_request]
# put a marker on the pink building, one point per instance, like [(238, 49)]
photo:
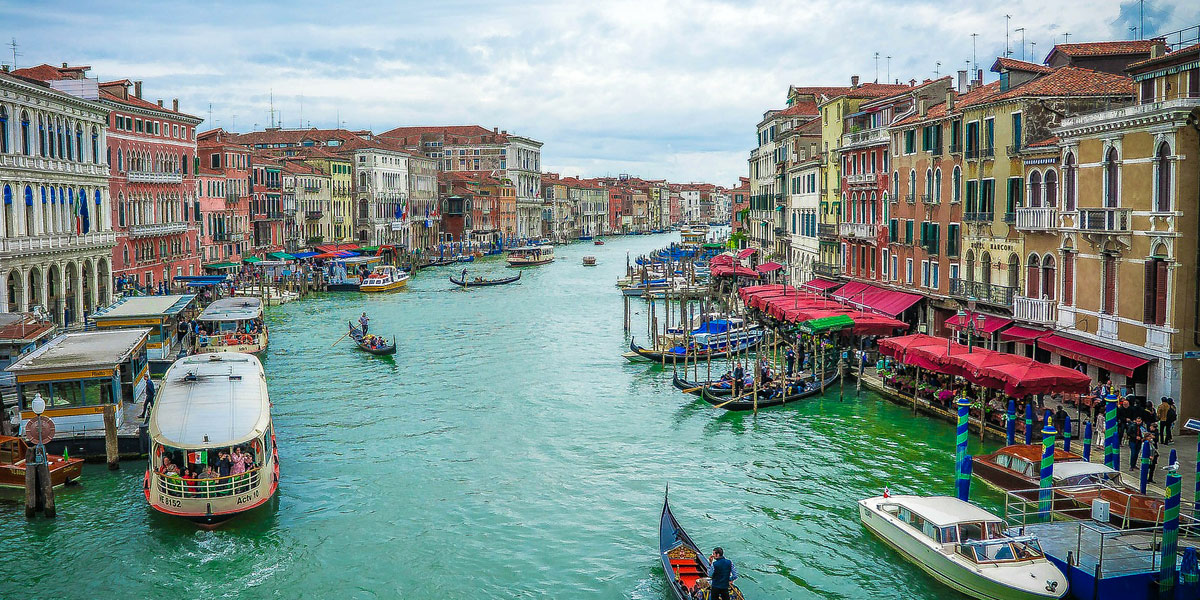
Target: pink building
[(225, 190)]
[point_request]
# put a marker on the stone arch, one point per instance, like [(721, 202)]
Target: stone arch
[(87, 286), (14, 287), (54, 293), (34, 293), (1014, 271), (1033, 275), (985, 268), (969, 265), (71, 295)]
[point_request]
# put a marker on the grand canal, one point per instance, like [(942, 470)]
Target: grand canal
[(508, 451)]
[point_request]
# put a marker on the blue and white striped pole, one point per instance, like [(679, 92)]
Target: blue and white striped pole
[(1066, 433), (1196, 497), (1010, 424), (1145, 465), (1087, 441), (1170, 535), (961, 487), (1047, 472), (1028, 423), (1112, 454)]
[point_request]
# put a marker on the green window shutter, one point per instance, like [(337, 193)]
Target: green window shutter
[(908, 231)]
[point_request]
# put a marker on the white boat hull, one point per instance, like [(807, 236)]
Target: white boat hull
[(1014, 581)]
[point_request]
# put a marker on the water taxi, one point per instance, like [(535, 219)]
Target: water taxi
[(589, 261), (13, 458), (530, 255), (232, 325), (212, 411), (346, 274), (963, 546), (385, 278)]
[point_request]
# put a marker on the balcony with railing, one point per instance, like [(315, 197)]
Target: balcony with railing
[(860, 178), (1010, 217), (866, 137), (977, 217), (988, 293), (222, 236), (859, 231), (827, 231), (936, 150), (1037, 218), (63, 241), (1105, 220), (1129, 112), (1035, 310), (152, 177), (1014, 149), (928, 199), (313, 215), (275, 215), (827, 269), (910, 198), (156, 229), (956, 148)]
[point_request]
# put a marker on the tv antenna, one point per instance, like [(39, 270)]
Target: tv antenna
[(13, 44)]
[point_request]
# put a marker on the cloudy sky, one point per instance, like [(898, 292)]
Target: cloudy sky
[(656, 89)]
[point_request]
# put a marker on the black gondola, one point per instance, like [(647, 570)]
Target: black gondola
[(356, 334), (684, 564), (673, 357), (746, 402), (485, 282), (694, 387)]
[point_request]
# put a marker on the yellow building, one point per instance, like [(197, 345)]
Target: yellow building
[(341, 180), (1126, 224)]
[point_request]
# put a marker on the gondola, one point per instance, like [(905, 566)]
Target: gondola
[(694, 387), (485, 282), (440, 262), (356, 334), (684, 564), (674, 356), (747, 399)]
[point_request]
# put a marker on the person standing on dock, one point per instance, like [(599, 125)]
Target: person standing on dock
[(363, 321), (722, 573)]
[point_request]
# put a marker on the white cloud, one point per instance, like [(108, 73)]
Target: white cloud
[(654, 88)]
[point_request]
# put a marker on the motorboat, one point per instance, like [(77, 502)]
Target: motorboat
[(963, 546), (14, 456), (385, 278), (589, 261), (1075, 484)]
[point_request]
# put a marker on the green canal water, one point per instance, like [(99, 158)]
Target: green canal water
[(507, 452)]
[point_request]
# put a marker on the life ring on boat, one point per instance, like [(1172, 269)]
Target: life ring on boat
[(256, 446)]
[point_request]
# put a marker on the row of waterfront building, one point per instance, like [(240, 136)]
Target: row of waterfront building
[(101, 185), (1052, 212)]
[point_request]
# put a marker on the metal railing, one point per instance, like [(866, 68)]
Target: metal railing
[(861, 231), (176, 486), (927, 199), (977, 217), (156, 229), (989, 293), (214, 343), (1037, 218), (827, 269), (956, 148), (152, 177), (1010, 217), (936, 150), (1108, 220), (1035, 310), (827, 230), (51, 241), (910, 198), (313, 215)]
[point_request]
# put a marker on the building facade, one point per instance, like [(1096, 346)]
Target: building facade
[(56, 235), (225, 188)]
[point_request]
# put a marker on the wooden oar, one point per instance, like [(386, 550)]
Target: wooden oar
[(728, 401), (690, 390), (339, 339)]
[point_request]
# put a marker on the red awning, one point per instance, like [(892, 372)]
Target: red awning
[(336, 247), (725, 271), (1032, 377), (1106, 358), (1020, 333), (720, 259), (897, 347), (990, 323), (873, 324), (820, 285), (851, 291), (747, 252), (865, 295), (769, 267)]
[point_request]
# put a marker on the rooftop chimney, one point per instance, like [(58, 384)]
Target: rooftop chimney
[(64, 65), (950, 94), (160, 102), (4, 68), (912, 83), (921, 106), (854, 81), (962, 80), (1158, 47), (495, 130), (137, 89), (979, 76), (175, 104)]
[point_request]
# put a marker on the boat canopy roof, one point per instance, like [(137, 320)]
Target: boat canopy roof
[(146, 306), (233, 309), (944, 511), (1076, 468), (105, 349), (718, 326), (211, 401), (359, 260)]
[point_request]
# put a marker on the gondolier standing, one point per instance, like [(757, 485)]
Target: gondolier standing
[(363, 320), (722, 573), (738, 375)]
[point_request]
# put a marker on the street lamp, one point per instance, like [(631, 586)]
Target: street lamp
[(973, 325)]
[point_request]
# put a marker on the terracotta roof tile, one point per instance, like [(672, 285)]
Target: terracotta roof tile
[(1103, 48), (1072, 81), (1194, 49), (1013, 64), (45, 72)]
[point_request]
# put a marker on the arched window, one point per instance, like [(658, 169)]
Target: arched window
[(1035, 189), (3, 129), (1112, 179), (1048, 277), (956, 184), (25, 133), (895, 184), (985, 268), (60, 130), (912, 184), (969, 263), (928, 183), (121, 211), (120, 162), (1033, 276), (95, 145), (1014, 271), (1069, 182), (1162, 177), (937, 185), (41, 137), (1051, 184), (79, 142)]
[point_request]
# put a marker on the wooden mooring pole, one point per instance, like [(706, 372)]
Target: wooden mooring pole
[(111, 453)]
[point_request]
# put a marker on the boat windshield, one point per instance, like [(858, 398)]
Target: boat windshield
[(1089, 479), (1001, 550)]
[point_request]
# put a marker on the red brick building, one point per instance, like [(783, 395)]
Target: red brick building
[(224, 197)]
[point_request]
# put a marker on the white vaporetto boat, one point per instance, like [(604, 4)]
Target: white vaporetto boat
[(530, 255), (964, 547)]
